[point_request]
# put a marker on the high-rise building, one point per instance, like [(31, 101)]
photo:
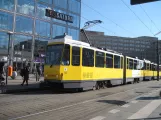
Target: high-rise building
[(141, 47), (34, 22)]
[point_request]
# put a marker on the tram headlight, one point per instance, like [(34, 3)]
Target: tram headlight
[(57, 76), (46, 75)]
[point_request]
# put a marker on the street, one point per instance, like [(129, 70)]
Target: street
[(132, 101)]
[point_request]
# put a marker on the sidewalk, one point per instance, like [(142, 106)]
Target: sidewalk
[(15, 85)]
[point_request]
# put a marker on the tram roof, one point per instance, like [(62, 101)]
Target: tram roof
[(68, 40)]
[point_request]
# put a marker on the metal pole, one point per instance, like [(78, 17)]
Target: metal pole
[(8, 55), (22, 57), (157, 60)]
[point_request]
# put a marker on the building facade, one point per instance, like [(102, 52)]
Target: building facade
[(141, 47), (32, 28)]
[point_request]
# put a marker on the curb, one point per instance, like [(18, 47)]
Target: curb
[(22, 90)]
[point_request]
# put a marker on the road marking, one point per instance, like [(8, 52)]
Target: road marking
[(134, 101), (114, 111), (33, 114), (146, 111), (98, 118), (125, 106)]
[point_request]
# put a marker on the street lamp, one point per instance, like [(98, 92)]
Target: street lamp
[(9, 57)]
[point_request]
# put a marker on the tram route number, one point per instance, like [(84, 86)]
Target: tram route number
[(87, 74)]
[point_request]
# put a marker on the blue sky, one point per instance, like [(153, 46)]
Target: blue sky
[(116, 11)]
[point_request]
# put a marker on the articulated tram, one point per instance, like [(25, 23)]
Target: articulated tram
[(75, 64)]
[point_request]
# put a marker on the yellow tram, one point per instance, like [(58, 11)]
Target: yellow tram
[(134, 69), (75, 64)]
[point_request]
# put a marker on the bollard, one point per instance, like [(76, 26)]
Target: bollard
[(10, 70)]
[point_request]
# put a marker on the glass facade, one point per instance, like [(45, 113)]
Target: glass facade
[(25, 7), (60, 3), (24, 24), (42, 28), (6, 21), (58, 30), (30, 27), (3, 41), (7, 4)]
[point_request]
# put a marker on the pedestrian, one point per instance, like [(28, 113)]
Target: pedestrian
[(25, 74), (38, 73), (1, 71)]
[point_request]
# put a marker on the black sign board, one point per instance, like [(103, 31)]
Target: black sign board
[(59, 16), (134, 2)]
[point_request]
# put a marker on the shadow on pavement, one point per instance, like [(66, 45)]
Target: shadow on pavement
[(139, 92), (114, 102), (149, 98), (155, 87), (152, 118), (41, 92)]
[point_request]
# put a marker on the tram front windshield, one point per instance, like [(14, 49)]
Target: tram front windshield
[(58, 54), (54, 54)]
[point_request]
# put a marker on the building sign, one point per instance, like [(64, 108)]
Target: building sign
[(59, 16)]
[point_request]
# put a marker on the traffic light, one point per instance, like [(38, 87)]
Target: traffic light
[(134, 2)]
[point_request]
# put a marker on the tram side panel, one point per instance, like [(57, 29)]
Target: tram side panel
[(133, 70), (148, 73), (71, 74)]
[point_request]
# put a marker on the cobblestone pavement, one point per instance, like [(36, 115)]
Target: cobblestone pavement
[(120, 101)]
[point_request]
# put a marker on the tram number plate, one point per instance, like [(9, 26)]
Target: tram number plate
[(87, 75)]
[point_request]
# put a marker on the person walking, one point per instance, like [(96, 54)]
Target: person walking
[(25, 74), (38, 73)]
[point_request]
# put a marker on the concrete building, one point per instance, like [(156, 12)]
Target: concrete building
[(141, 47), (33, 26)]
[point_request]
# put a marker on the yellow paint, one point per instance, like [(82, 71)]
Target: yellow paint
[(148, 73)]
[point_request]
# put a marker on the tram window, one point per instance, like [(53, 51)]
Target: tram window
[(130, 64), (127, 63), (145, 64), (148, 66), (122, 62), (117, 61), (100, 58), (66, 55), (159, 68), (75, 56), (109, 61), (155, 67), (88, 57), (135, 64), (151, 67)]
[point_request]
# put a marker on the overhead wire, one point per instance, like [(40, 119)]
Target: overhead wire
[(149, 18), (137, 17), (108, 19)]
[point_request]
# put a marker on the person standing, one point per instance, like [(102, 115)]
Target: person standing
[(38, 73), (25, 72), (1, 71)]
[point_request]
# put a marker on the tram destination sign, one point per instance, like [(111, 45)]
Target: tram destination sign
[(59, 16)]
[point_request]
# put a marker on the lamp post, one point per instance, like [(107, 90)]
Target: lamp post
[(157, 55), (9, 57)]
